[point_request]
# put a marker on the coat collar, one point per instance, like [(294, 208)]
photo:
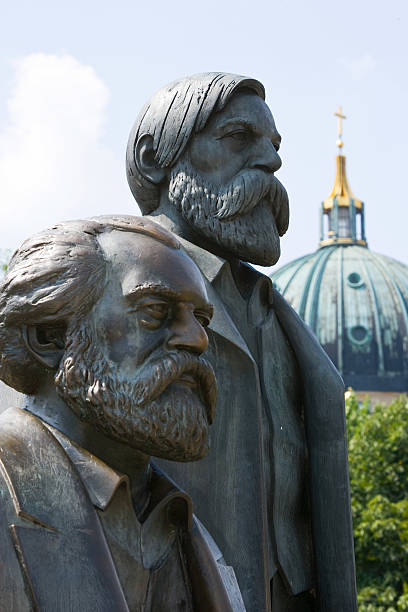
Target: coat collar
[(209, 264), (102, 481), (167, 509)]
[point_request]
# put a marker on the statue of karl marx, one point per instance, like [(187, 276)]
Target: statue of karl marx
[(102, 327), (201, 160)]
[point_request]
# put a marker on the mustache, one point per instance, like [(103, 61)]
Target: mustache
[(158, 372), (245, 192)]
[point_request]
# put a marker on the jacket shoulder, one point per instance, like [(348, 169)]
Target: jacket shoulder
[(29, 453)]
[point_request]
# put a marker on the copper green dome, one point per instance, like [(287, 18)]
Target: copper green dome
[(355, 300)]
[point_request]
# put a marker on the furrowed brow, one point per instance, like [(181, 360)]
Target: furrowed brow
[(151, 289), (161, 291)]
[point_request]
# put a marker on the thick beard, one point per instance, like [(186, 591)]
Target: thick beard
[(148, 412), (245, 218)]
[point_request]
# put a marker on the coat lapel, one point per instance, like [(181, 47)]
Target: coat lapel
[(292, 536), (57, 535), (222, 323)]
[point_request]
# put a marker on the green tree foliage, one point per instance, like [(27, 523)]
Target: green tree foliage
[(5, 255), (378, 456)]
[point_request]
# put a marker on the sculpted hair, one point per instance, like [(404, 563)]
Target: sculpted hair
[(171, 116), (53, 280)]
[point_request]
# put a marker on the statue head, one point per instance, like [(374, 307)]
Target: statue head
[(112, 313), (205, 149)]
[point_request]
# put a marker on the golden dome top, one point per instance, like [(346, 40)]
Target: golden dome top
[(342, 215), (341, 188)]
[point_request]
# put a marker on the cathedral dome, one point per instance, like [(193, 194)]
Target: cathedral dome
[(355, 300)]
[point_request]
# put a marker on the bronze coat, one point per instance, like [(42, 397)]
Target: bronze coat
[(53, 552)]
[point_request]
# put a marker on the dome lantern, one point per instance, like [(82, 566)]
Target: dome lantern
[(342, 214)]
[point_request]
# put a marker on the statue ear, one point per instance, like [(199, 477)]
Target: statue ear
[(145, 161), (46, 344)]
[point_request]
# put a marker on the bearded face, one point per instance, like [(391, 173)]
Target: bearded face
[(151, 412), (244, 217)]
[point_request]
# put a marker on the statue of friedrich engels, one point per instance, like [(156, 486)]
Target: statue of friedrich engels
[(201, 160)]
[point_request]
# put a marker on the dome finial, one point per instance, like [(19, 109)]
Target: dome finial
[(342, 215), (340, 117)]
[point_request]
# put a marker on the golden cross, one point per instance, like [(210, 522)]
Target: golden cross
[(339, 116)]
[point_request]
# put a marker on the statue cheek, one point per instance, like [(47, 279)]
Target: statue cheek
[(216, 161), (205, 154), (114, 332), (115, 349), (129, 346)]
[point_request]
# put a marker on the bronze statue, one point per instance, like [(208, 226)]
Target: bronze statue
[(201, 160), (102, 326)]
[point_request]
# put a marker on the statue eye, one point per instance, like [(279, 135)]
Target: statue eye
[(203, 318), (238, 135), (152, 313), (276, 146), (157, 310)]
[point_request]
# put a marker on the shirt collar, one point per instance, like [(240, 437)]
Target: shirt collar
[(101, 482), (213, 266)]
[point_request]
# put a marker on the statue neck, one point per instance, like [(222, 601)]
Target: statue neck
[(49, 407)]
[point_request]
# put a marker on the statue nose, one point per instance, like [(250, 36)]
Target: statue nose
[(266, 157), (187, 333)]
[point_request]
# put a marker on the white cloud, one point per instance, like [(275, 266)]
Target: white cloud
[(54, 164), (360, 67)]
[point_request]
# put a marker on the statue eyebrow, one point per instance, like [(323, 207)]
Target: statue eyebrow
[(238, 121), (241, 122), (162, 291), (148, 289)]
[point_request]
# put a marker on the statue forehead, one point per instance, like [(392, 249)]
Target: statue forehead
[(137, 259), (248, 107)]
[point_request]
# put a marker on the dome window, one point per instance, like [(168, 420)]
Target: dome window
[(354, 280), (359, 334)]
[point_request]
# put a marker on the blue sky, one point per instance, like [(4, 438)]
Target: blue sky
[(73, 77)]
